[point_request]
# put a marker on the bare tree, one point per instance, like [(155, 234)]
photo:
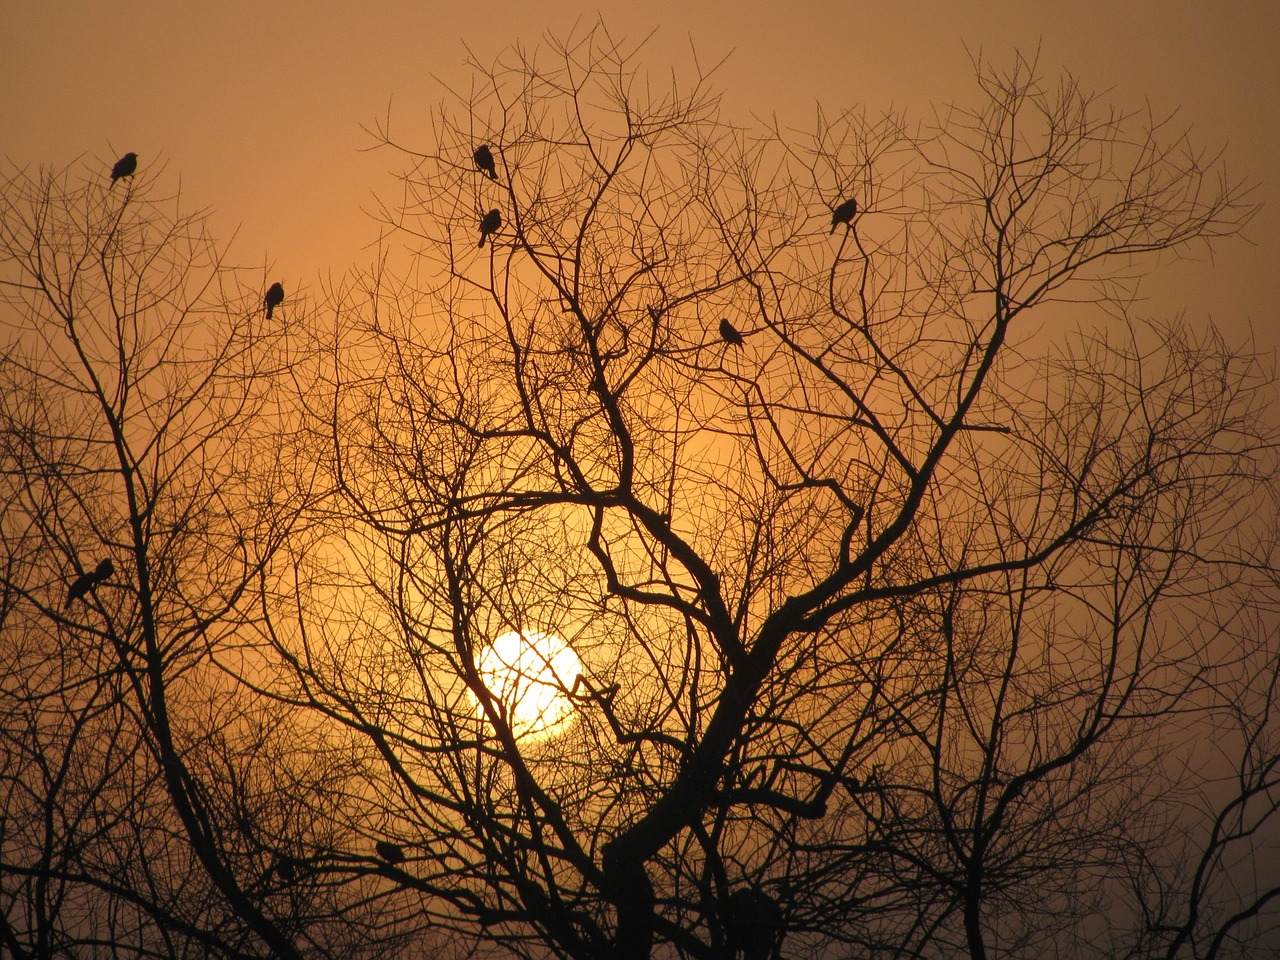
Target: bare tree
[(763, 545), (140, 429), (890, 618)]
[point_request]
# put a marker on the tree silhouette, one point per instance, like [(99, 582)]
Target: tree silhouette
[(132, 811), (895, 617), (904, 634)]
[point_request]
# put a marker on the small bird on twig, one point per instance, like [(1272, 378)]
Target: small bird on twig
[(390, 852), (274, 297), (484, 160), (729, 333), (124, 167), (491, 223), (87, 581), (843, 214)]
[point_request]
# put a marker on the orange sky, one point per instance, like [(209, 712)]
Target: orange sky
[(258, 107)]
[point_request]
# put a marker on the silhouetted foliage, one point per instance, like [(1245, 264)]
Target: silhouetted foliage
[(880, 600)]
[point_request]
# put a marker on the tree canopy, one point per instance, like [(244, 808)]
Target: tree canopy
[(497, 601)]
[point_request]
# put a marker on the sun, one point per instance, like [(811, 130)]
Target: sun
[(530, 673)]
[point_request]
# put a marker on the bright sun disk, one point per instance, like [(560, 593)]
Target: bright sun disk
[(530, 674)]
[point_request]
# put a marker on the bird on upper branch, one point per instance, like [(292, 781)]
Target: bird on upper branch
[(729, 333), (124, 167), (274, 297), (843, 214), (484, 160)]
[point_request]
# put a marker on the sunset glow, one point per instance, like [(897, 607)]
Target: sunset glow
[(529, 674), (714, 480)]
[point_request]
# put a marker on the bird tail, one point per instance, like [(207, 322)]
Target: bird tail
[(269, 309), (493, 175), (481, 243)]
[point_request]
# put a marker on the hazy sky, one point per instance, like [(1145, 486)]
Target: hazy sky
[(258, 107)]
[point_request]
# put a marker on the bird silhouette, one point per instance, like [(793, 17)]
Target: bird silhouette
[(286, 869), (843, 214), (79, 587), (274, 297), (87, 581), (491, 223), (729, 333), (124, 167), (390, 852), (484, 160), (754, 921)]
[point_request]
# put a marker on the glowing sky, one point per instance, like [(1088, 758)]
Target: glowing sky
[(258, 107)]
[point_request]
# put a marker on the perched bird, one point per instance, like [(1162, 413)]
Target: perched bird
[(124, 167), (390, 852), (286, 869), (79, 587), (729, 333), (87, 581), (843, 214), (754, 922), (274, 297), (491, 223), (484, 160)]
